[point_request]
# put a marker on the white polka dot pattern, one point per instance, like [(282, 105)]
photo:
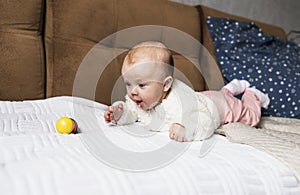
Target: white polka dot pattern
[(267, 62)]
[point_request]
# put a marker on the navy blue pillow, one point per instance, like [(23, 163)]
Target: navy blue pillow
[(267, 62)]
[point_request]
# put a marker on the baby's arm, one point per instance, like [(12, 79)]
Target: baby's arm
[(113, 113)]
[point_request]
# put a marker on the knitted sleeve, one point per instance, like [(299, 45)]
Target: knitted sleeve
[(129, 112)]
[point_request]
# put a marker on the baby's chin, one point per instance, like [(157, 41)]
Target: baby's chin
[(147, 107), (144, 107)]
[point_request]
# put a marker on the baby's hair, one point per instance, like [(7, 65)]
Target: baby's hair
[(151, 50)]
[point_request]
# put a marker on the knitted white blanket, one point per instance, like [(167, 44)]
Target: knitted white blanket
[(279, 137)]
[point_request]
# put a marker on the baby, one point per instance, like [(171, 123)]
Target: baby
[(160, 102)]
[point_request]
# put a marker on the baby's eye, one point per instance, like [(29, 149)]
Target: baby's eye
[(142, 85), (127, 84)]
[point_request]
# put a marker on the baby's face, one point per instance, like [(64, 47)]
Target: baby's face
[(144, 83)]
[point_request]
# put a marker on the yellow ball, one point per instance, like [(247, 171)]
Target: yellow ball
[(65, 125)]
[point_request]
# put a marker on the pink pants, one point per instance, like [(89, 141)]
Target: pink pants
[(231, 109)]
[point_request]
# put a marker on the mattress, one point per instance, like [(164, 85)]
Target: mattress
[(106, 159)]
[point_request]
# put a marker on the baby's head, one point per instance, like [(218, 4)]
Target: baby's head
[(150, 54), (147, 71)]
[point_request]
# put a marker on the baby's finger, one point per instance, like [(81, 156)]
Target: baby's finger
[(171, 134), (108, 116), (107, 119), (110, 108)]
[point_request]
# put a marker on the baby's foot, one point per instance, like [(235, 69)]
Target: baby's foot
[(263, 98), (237, 87), (177, 133)]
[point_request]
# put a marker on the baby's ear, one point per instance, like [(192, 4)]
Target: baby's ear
[(168, 83)]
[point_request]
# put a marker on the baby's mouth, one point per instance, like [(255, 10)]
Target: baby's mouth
[(139, 102)]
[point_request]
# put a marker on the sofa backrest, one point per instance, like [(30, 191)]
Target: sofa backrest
[(22, 62), (78, 65), (53, 47)]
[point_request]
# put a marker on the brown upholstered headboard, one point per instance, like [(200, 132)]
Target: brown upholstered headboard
[(75, 28), (44, 44), (22, 60)]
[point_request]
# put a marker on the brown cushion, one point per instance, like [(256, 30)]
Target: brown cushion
[(204, 12), (21, 50), (186, 71), (73, 30)]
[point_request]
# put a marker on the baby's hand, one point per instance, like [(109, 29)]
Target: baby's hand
[(113, 113), (177, 132)]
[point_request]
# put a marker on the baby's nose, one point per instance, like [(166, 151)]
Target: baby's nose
[(134, 91)]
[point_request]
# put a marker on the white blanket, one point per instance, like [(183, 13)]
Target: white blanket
[(102, 159), (277, 136)]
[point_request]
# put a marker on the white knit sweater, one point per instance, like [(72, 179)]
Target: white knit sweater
[(193, 110)]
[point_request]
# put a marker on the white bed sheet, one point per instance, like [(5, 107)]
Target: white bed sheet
[(102, 159)]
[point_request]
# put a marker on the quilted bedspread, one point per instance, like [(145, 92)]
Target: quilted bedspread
[(104, 159)]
